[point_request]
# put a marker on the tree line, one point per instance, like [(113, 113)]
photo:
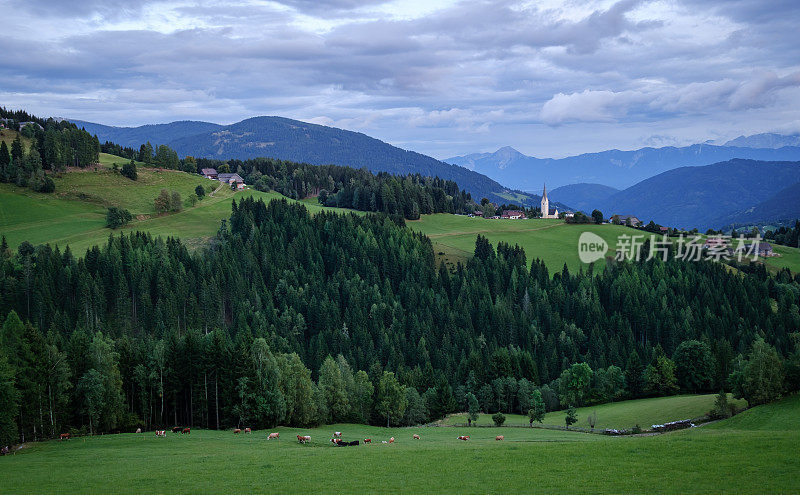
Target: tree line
[(787, 236), (141, 331), (408, 196)]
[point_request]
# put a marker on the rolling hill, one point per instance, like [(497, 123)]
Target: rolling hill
[(288, 139), (615, 168), (133, 137), (783, 207), (583, 197), (689, 197)]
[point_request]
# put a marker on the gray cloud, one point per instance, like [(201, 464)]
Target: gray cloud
[(469, 76)]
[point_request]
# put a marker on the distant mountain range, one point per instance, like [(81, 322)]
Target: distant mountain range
[(287, 139), (712, 195), (615, 168), (765, 140)]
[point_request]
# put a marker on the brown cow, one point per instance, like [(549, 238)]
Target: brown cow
[(161, 433), (186, 430), (336, 441), (65, 436), (367, 440), (391, 440), (276, 436), (237, 430), (337, 434), (464, 437), (499, 437), (248, 430), (303, 439), (415, 436)]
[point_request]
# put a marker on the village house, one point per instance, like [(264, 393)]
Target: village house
[(209, 173), (512, 214), (232, 179), (569, 214), (625, 219)]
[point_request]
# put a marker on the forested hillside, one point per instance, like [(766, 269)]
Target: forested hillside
[(287, 139), (700, 197), (140, 331), (346, 187)]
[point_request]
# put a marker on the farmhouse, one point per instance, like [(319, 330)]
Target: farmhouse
[(569, 214), (765, 249), (546, 211), (625, 220), (232, 179), (512, 214), (209, 173)]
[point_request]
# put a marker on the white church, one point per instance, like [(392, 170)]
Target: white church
[(546, 211)]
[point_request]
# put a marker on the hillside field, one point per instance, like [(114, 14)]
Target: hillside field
[(620, 415), (75, 214), (705, 459), (552, 241)]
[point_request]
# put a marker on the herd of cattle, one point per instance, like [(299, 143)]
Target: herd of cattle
[(336, 440)]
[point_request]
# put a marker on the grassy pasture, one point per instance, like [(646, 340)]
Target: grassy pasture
[(620, 415), (734, 455), (75, 214), (552, 241)]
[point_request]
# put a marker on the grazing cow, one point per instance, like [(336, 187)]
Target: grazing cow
[(138, 430), (176, 429), (248, 430), (367, 440), (464, 437), (161, 433), (276, 436), (336, 441), (186, 430), (415, 436), (303, 439), (499, 437), (65, 436), (237, 430), (391, 440), (337, 434), (384, 441)]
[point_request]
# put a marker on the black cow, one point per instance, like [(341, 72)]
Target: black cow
[(176, 429)]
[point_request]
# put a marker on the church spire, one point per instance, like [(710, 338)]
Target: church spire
[(544, 192)]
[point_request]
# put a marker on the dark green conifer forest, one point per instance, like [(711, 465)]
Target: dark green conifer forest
[(288, 318)]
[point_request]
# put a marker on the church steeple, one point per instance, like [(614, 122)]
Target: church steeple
[(545, 207)]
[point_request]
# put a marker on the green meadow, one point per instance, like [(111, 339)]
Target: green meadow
[(754, 452), (75, 214), (552, 241), (619, 415)]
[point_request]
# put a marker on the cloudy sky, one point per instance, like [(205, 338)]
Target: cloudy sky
[(548, 77)]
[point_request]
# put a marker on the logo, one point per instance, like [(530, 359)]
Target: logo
[(591, 247)]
